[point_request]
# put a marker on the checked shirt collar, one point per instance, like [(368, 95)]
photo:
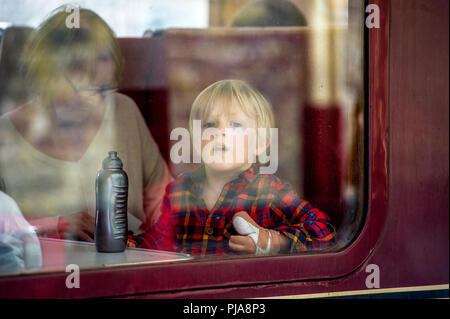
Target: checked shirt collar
[(196, 179)]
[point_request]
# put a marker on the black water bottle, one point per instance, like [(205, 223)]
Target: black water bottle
[(111, 188)]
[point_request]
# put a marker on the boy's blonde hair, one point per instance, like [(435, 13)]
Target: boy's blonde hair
[(54, 47), (230, 92)]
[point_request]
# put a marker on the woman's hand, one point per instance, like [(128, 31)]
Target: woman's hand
[(80, 225), (255, 239)]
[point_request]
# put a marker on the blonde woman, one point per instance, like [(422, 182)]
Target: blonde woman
[(53, 146)]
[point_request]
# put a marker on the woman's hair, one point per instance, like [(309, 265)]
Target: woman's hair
[(13, 89), (226, 94), (54, 48)]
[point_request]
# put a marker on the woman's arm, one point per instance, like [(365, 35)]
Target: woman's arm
[(79, 225), (160, 235), (305, 227)]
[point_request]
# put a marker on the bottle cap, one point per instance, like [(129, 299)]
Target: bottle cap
[(112, 161)]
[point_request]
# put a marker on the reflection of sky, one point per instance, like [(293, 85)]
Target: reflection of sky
[(127, 18)]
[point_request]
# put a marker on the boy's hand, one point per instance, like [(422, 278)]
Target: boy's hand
[(255, 239)]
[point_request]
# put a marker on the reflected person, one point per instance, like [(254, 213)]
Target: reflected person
[(52, 146)]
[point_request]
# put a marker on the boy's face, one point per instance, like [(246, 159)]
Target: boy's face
[(226, 145)]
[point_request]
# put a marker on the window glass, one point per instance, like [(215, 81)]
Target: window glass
[(178, 130), (126, 20)]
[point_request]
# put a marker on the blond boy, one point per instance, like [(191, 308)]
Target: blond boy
[(227, 205)]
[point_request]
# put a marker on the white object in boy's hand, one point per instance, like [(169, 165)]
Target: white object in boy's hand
[(246, 226)]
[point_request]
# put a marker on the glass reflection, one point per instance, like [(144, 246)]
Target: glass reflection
[(90, 91)]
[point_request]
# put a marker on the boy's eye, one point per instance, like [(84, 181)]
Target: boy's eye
[(104, 57), (209, 124), (235, 124)]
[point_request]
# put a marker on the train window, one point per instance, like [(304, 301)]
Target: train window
[(148, 15), (256, 118)]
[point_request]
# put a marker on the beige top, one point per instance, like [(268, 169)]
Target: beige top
[(44, 186)]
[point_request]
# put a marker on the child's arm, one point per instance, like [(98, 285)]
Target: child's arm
[(160, 235), (293, 226), (306, 227)]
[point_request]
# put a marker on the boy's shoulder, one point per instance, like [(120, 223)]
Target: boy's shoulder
[(272, 179)]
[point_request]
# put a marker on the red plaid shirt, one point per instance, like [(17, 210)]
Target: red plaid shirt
[(186, 225)]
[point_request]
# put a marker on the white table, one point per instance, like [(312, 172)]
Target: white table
[(58, 254)]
